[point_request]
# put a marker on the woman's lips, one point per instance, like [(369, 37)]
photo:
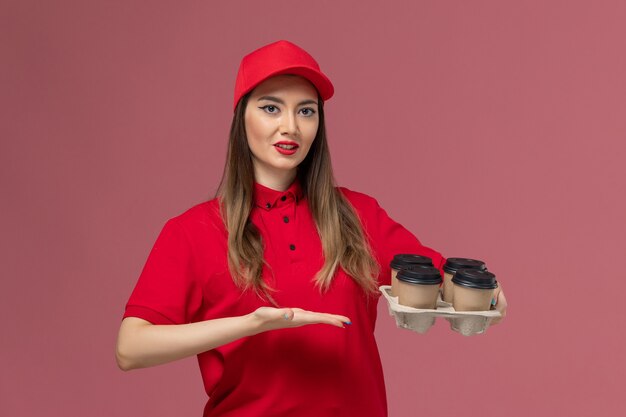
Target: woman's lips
[(286, 148)]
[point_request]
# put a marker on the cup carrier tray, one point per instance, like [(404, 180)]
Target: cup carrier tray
[(419, 320)]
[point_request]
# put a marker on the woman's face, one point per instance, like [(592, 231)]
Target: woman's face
[(281, 120)]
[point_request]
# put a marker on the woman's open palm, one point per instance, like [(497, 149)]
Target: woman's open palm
[(281, 318)]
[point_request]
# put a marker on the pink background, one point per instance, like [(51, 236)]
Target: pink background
[(491, 129)]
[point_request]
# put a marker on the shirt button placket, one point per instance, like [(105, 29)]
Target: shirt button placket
[(289, 227), (290, 218)]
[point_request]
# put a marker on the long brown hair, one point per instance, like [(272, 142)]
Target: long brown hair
[(343, 240)]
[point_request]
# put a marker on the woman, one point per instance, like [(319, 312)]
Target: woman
[(241, 279)]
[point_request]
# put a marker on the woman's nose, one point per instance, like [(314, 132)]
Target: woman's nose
[(289, 123)]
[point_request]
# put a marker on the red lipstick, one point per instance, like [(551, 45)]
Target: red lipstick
[(286, 147)]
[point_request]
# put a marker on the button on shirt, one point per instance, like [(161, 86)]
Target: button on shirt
[(315, 370), (278, 233)]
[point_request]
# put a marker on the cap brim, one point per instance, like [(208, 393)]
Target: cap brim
[(323, 85)]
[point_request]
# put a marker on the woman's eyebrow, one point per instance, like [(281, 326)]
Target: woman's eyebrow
[(276, 99)]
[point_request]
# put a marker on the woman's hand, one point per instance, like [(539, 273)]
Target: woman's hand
[(271, 318), (500, 304)]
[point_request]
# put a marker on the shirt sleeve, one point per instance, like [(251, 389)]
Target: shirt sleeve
[(167, 291), (388, 237)]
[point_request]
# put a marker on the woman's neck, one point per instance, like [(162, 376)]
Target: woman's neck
[(279, 181)]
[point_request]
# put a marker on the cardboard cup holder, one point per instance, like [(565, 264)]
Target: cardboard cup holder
[(419, 320)]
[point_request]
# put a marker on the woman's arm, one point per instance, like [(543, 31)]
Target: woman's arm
[(141, 344)]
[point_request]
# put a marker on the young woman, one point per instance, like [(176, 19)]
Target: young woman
[(273, 284)]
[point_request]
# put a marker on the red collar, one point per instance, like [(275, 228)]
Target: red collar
[(267, 198)]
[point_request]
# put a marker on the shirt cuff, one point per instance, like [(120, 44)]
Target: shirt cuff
[(146, 313)]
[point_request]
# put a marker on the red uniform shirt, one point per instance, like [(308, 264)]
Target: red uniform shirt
[(315, 370)]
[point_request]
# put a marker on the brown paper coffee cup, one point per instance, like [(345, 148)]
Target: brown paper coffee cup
[(418, 287), (473, 290), (451, 266), (403, 261)]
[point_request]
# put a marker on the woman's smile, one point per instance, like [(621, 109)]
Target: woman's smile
[(286, 147)]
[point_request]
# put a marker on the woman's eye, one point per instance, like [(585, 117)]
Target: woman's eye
[(308, 111), (269, 108)]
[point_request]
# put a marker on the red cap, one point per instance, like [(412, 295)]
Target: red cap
[(282, 57)]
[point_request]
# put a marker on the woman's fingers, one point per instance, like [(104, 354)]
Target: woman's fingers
[(501, 305), (496, 293), (302, 317)]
